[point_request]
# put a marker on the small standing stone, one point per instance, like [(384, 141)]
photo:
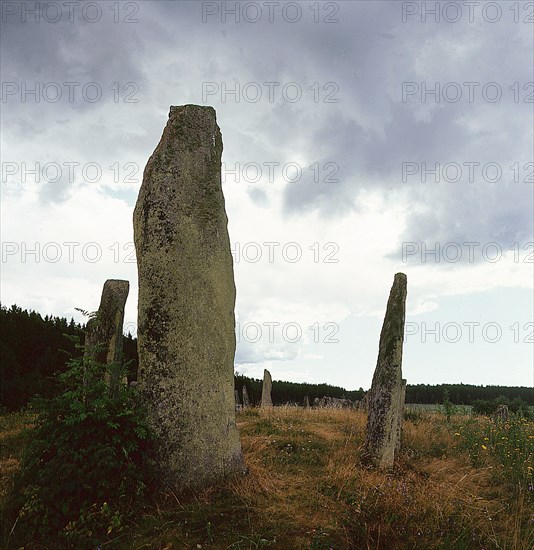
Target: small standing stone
[(266, 399), (306, 402), (246, 399), (501, 413), (103, 338), (238, 405), (385, 394), (402, 402)]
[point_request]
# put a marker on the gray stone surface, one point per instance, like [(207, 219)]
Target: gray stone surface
[(266, 399), (103, 335), (333, 403), (246, 399), (501, 414), (385, 393), (186, 324), (306, 402)]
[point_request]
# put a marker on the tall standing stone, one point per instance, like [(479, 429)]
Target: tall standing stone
[(186, 324), (103, 337), (246, 399), (266, 400), (386, 388), (306, 402)]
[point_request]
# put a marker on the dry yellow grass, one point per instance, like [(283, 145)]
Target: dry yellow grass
[(306, 489)]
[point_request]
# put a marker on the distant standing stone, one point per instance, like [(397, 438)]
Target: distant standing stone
[(246, 399), (402, 402), (306, 402), (266, 399), (186, 324), (103, 337), (238, 405), (501, 413), (385, 394)]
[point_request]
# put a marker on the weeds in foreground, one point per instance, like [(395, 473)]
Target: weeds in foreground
[(509, 444), (306, 489), (85, 467)]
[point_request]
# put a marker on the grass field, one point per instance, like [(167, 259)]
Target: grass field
[(459, 485)]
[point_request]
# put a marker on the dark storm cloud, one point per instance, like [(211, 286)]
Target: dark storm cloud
[(75, 51), (368, 134)]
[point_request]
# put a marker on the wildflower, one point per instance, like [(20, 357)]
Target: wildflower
[(484, 447)]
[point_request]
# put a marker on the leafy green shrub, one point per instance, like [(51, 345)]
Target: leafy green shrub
[(88, 464), (483, 406), (448, 408)]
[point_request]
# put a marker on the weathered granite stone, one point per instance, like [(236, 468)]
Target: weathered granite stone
[(246, 399), (316, 402), (103, 337), (385, 393), (266, 400), (306, 402), (186, 324)]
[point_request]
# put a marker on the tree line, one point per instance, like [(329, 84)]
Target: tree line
[(33, 348)]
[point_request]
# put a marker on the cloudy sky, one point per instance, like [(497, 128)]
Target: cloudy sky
[(361, 138)]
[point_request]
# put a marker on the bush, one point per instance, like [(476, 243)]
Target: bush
[(448, 408), (516, 405), (87, 466)]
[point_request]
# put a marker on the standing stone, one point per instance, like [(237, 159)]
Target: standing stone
[(386, 389), (501, 414), (186, 324), (306, 402), (103, 337), (266, 400), (238, 405), (246, 399), (402, 402)]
